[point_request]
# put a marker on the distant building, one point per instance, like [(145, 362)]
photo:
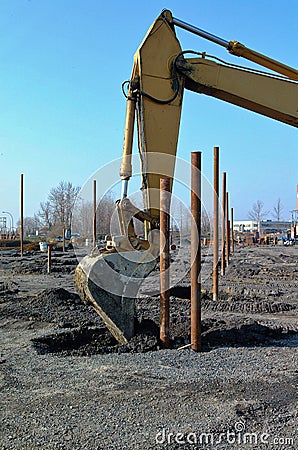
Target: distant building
[(248, 226), (273, 226), (266, 226)]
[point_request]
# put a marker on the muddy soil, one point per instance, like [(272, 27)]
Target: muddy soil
[(48, 333)]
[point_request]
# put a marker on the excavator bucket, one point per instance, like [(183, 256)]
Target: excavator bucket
[(109, 282)]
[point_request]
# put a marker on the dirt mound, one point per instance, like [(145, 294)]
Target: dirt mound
[(59, 296), (39, 265), (56, 305), (87, 341), (8, 288), (9, 243), (82, 341)]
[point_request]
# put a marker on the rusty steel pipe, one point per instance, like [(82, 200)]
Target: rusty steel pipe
[(227, 230), (22, 215), (49, 259), (223, 247), (195, 271), (215, 221), (165, 186), (164, 261), (63, 244), (94, 213), (232, 230)]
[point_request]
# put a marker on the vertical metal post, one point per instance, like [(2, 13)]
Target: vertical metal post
[(49, 259), (94, 213), (223, 200), (165, 184), (195, 271), (215, 223), (63, 248), (229, 240), (22, 216), (232, 230), (227, 230)]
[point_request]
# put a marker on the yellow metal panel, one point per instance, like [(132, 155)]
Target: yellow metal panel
[(272, 97), (158, 123)]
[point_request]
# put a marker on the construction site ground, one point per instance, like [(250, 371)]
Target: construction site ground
[(67, 384)]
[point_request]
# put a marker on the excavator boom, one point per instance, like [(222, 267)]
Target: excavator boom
[(269, 96)]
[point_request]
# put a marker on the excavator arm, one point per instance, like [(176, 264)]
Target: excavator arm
[(109, 280), (160, 74), (267, 95)]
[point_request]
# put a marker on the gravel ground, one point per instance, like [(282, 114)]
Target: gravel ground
[(66, 384)]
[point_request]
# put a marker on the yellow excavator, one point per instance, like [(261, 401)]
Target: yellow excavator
[(109, 279)]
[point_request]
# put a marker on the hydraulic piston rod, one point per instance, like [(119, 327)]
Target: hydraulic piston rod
[(204, 34)]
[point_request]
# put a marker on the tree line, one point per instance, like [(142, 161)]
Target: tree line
[(63, 210), (57, 212)]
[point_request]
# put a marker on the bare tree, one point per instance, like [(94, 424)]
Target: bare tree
[(62, 200), (205, 222), (104, 213), (257, 212), (30, 225), (45, 214), (57, 210), (82, 221), (180, 215), (277, 210), (83, 216)]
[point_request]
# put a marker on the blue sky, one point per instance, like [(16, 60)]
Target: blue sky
[(62, 110)]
